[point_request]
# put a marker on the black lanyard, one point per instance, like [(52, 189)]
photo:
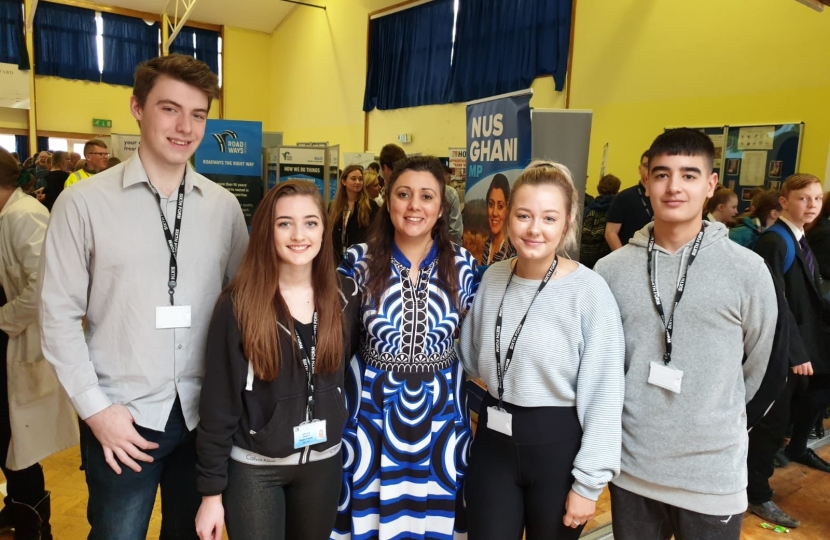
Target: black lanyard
[(658, 304), (508, 359), (172, 238), (309, 357), (643, 199)]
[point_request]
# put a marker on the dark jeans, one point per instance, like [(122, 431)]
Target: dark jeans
[(634, 517), (764, 441), (806, 408), (25, 486), (120, 505), (293, 502)]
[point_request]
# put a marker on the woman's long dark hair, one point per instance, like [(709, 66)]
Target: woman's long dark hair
[(381, 233), (257, 301)]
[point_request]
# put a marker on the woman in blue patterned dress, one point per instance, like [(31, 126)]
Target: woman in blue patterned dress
[(408, 434)]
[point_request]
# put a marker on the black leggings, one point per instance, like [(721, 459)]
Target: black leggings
[(520, 483), (25, 486), (294, 502)]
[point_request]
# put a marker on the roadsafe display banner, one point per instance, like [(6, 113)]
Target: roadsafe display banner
[(231, 156), (303, 163), (498, 149)]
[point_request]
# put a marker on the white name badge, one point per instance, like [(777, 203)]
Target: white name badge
[(665, 377), (172, 317), (500, 420), (310, 433)]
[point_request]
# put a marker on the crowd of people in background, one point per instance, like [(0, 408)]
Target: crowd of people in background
[(50, 172), (306, 380)]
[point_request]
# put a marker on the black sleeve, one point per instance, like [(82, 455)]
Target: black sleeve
[(772, 248), (220, 404), (373, 210), (617, 211), (819, 240), (775, 377)]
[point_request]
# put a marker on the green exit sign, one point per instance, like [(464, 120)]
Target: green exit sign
[(100, 122)]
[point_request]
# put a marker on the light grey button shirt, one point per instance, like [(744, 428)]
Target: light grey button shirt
[(106, 258)]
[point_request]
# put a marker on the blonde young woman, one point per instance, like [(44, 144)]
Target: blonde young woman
[(351, 212), (545, 335)]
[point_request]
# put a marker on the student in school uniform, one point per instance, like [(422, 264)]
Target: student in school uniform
[(273, 409), (548, 436), (795, 267), (699, 314)]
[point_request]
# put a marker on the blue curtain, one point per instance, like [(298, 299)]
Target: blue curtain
[(502, 45), (127, 42), (206, 48), (12, 43), (65, 42), (409, 57), (21, 144), (42, 144)]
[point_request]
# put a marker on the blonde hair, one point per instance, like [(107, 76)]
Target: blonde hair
[(370, 178), (549, 173)]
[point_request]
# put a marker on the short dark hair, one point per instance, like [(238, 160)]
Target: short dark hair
[(683, 142), (374, 166), (93, 142), (608, 185), (391, 154), (179, 67)]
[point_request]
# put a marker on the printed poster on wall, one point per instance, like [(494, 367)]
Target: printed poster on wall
[(498, 149), (303, 163), (124, 146), (458, 167), (231, 156)]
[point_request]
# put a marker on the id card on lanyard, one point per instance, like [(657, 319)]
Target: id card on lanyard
[(172, 316), (311, 431), (497, 418), (665, 376)]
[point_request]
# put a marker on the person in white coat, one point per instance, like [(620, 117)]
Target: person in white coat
[(36, 417)]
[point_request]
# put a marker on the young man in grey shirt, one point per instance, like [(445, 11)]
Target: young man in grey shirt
[(699, 315), (142, 252)]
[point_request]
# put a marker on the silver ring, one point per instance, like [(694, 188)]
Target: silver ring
[(576, 523)]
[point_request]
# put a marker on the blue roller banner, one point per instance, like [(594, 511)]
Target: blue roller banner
[(231, 156), (231, 147), (498, 149)]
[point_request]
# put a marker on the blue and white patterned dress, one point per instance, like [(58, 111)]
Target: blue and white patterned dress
[(408, 435)]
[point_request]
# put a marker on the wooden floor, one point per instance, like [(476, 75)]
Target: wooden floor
[(803, 492)]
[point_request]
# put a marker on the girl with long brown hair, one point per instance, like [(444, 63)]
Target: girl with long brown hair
[(408, 434), (272, 407), (351, 211)]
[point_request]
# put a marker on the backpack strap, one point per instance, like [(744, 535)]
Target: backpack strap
[(789, 258)]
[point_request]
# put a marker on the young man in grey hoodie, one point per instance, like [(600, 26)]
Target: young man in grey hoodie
[(699, 315)]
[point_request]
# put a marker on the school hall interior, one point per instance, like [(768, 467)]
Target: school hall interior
[(640, 66)]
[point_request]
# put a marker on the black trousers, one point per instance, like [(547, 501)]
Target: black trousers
[(282, 502), (764, 441), (806, 407), (25, 486), (635, 517), (520, 483)]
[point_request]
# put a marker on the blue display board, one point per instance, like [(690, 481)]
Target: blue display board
[(777, 158), (231, 147), (231, 156)]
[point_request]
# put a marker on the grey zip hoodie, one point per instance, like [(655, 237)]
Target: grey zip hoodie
[(689, 449)]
